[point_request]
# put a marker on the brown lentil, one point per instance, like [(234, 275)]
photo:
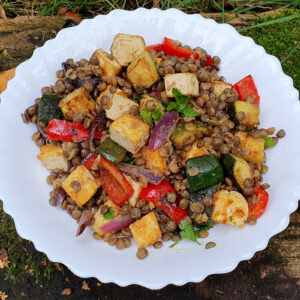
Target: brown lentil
[(75, 185), (280, 133), (250, 221), (142, 253), (171, 226), (265, 186), (157, 244), (210, 245), (203, 234), (171, 197)]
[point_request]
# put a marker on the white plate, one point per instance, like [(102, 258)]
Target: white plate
[(22, 178)]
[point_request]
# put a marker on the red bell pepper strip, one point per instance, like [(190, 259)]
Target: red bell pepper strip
[(157, 47), (157, 195), (112, 180), (257, 209), (208, 62), (60, 130), (246, 88)]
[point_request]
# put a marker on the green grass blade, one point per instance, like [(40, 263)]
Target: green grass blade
[(223, 16), (290, 53)]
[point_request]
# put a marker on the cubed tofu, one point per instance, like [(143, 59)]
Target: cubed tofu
[(52, 158), (147, 98), (230, 208), (99, 218), (146, 231), (255, 146), (126, 47), (77, 102), (142, 71), (195, 151), (88, 185), (108, 64), (108, 93), (118, 105), (186, 83), (154, 161), (129, 132), (137, 188), (220, 86)]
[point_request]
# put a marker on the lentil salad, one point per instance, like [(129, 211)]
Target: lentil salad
[(150, 143)]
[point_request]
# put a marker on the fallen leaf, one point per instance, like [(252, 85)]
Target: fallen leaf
[(85, 286), (155, 3), (4, 261), (5, 77), (64, 11), (2, 13), (66, 292), (3, 296)]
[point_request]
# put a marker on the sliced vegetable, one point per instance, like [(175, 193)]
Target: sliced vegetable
[(137, 171), (60, 130), (40, 129), (60, 196), (203, 171), (112, 151), (99, 121), (237, 168), (156, 194), (246, 88), (154, 161), (26, 112), (156, 47), (49, 108), (118, 223), (269, 142), (84, 221), (163, 130), (262, 198)]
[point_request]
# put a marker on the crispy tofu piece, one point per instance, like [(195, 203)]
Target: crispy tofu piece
[(107, 93), (220, 86), (146, 231), (256, 147), (129, 132), (77, 102), (88, 185), (137, 188), (230, 208), (126, 47), (108, 64), (194, 152), (147, 98), (142, 71), (99, 218), (154, 161), (52, 158), (118, 105), (186, 83)]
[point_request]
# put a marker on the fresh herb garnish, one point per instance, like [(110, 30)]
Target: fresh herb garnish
[(128, 160), (250, 129), (269, 142), (180, 104), (230, 218), (136, 97), (187, 231), (107, 131), (155, 114), (174, 244), (205, 226), (110, 214)]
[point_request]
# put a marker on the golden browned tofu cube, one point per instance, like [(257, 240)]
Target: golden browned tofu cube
[(129, 132), (126, 47), (80, 185), (154, 161), (109, 94), (195, 151), (146, 99), (107, 63), (255, 146), (146, 231), (186, 83), (118, 105), (52, 158), (142, 71), (137, 188), (220, 86), (77, 102), (230, 208), (100, 220)]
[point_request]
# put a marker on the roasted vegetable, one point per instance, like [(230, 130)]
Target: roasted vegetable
[(186, 83), (154, 161), (203, 171), (49, 108), (237, 168), (220, 86), (194, 152), (261, 200), (112, 151)]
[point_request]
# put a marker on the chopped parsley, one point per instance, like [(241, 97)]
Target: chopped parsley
[(174, 244), (269, 142), (155, 114), (230, 219), (187, 231), (110, 214), (136, 97), (128, 160), (180, 104)]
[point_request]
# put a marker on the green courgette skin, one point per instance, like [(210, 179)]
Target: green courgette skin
[(232, 112), (111, 151), (49, 108), (228, 162), (210, 172)]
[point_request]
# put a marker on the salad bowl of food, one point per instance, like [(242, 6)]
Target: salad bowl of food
[(152, 130)]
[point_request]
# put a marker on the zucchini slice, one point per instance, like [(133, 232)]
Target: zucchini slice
[(49, 108), (251, 112), (203, 171), (111, 151), (237, 168)]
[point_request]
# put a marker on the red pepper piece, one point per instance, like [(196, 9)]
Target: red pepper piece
[(208, 62), (157, 47), (246, 88), (157, 195), (60, 130), (257, 209), (156, 94), (115, 184)]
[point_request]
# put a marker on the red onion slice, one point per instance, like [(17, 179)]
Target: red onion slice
[(60, 196), (163, 130), (41, 130), (85, 220), (118, 223), (26, 114), (99, 120)]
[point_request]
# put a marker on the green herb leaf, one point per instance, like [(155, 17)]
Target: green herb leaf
[(250, 129), (110, 214), (187, 231), (173, 245), (156, 114), (204, 226), (146, 115), (107, 131), (181, 99), (188, 112), (269, 142), (230, 218), (136, 97), (128, 160), (172, 106)]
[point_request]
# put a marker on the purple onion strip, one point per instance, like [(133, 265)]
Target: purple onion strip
[(84, 221), (60, 196), (118, 223), (41, 130), (99, 120)]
